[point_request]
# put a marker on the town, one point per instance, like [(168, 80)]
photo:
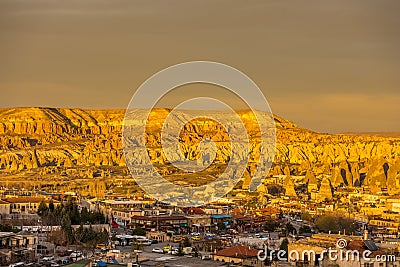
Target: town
[(40, 228), (199, 133)]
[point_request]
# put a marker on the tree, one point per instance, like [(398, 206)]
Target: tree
[(270, 225), (284, 245), (7, 228), (221, 226), (180, 249), (85, 215), (290, 229), (51, 205), (196, 252), (305, 229), (274, 189), (335, 224), (139, 231), (136, 245), (42, 209), (186, 243), (306, 217), (53, 215), (67, 230)]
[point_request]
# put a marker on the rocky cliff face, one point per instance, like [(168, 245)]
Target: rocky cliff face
[(73, 142)]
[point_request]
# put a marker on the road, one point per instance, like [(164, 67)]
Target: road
[(173, 260)]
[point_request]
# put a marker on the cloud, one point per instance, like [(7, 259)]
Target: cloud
[(341, 112)]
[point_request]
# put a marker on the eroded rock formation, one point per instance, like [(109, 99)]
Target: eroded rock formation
[(55, 140)]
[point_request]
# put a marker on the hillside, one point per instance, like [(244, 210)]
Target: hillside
[(59, 145)]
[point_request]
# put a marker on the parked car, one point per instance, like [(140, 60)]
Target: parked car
[(76, 254), (157, 250), (173, 251), (206, 257), (195, 238), (101, 246), (154, 241), (167, 248), (48, 258), (16, 264), (178, 239)]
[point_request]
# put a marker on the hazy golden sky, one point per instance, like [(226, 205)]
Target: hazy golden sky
[(330, 66)]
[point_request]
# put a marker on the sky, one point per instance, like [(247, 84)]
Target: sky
[(330, 66)]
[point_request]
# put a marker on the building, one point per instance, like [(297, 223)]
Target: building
[(6, 239), (222, 218), (157, 235), (199, 223), (5, 207), (20, 246), (324, 250), (27, 240), (238, 255), (123, 216), (26, 205), (391, 227), (176, 223), (10, 240)]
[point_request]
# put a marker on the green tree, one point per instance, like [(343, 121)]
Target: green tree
[(270, 225), (306, 217), (221, 226), (85, 215), (274, 189), (335, 224), (180, 249), (289, 229), (7, 228), (67, 230), (284, 246), (139, 231), (305, 229), (186, 243), (136, 245), (42, 209), (51, 205), (196, 252)]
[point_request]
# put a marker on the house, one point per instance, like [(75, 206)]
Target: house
[(27, 240), (5, 207), (123, 216), (177, 223), (26, 205), (3, 258), (239, 255), (351, 251), (390, 226), (10, 240), (199, 223), (6, 239), (157, 235), (222, 218)]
